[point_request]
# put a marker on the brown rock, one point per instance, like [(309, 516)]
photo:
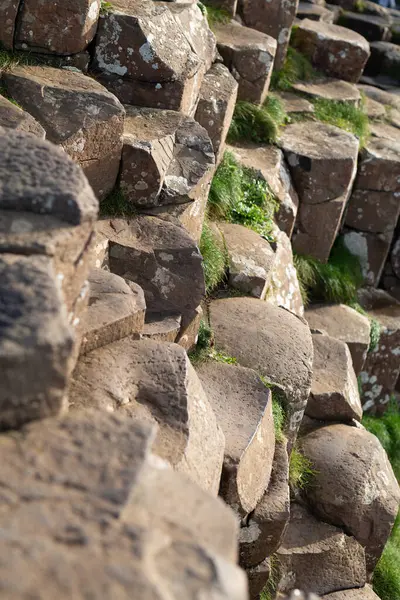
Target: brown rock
[(371, 249), (214, 111), (315, 556), (161, 258), (188, 335), (353, 486), (293, 103), (13, 117), (258, 577), (314, 12), (334, 392), (116, 310), (330, 89), (322, 160), (364, 593), (338, 51), (162, 328), (249, 55), (346, 324), (243, 409), (78, 114), (156, 382), (372, 27), (272, 341), (8, 16), (379, 167), (273, 18), (263, 531), (374, 211), (380, 95)]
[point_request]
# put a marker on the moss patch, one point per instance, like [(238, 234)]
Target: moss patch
[(344, 115), (301, 471)]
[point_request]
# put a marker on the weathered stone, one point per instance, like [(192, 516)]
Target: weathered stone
[(382, 366), (293, 103), (384, 131), (165, 157), (395, 257), (384, 60), (263, 531), (57, 28), (330, 89), (156, 382), (322, 160), (162, 328), (116, 310), (300, 595), (243, 409), (161, 258), (364, 593), (13, 117), (78, 114), (214, 111), (374, 211), (314, 12), (275, 19), (36, 341), (379, 166), (346, 324), (66, 498), (315, 556), (258, 577), (188, 335), (372, 27), (37, 177), (146, 68), (374, 109), (337, 51), (371, 249), (271, 340), (269, 163), (380, 95), (334, 392), (8, 17), (353, 486), (249, 55)]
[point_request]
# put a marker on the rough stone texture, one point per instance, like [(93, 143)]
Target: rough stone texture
[(249, 55), (188, 334), (155, 381), (315, 556), (275, 19), (343, 323), (379, 166), (382, 366), (334, 392), (330, 89), (8, 16), (380, 95), (243, 409), (271, 340), (371, 249), (78, 114), (372, 27), (162, 328), (67, 499), (293, 103), (251, 259), (257, 578), (270, 164), (116, 310), (374, 109), (354, 486), (161, 258), (384, 60), (314, 12), (214, 111), (166, 157), (58, 28), (395, 257), (148, 56), (364, 593), (263, 531), (374, 211), (337, 51), (13, 117)]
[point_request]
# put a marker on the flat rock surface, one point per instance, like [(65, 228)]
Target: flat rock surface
[(330, 89), (13, 117), (364, 593)]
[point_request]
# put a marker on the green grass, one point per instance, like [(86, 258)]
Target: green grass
[(214, 258), (116, 205), (4, 93), (269, 590), (387, 429), (239, 195), (296, 68), (278, 414), (253, 123), (105, 7), (205, 348), (344, 115), (9, 59), (215, 15), (375, 328), (301, 471), (336, 281)]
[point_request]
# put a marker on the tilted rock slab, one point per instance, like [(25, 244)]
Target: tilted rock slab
[(330, 89), (364, 593), (373, 211), (243, 409), (162, 328), (82, 516), (13, 117), (272, 341), (353, 486), (249, 55), (116, 310), (372, 27), (160, 257), (78, 114), (337, 51), (216, 104), (371, 249), (315, 556), (343, 323), (379, 167), (334, 392), (258, 577), (314, 12), (144, 67), (384, 60), (156, 382)]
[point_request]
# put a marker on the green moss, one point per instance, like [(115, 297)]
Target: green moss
[(214, 258), (116, 205), (105, 7), (344, 115), (215, 15), (296, 68), (253, 123), (239, 195), (301, 470), (336, 281)]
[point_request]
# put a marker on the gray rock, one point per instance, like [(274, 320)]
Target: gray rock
[(13, 117), (364, 593), (330, 89), (162, 328), (371, 249)]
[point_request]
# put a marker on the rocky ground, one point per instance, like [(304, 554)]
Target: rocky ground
[(199, 300)]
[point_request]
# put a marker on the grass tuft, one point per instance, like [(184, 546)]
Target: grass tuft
[(116, 205), (214, 258), (278, 414), (344, 115), (296, 68), (387, 429), (375, 328), (215, 15), (105, 7), (269, 590), (205, 349), (4, 93), (301, 471), (252, 123)]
